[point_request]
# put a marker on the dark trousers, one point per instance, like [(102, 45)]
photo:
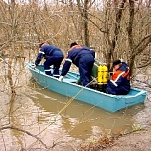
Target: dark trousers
[(120, 90), (56, 62), (85, 67)]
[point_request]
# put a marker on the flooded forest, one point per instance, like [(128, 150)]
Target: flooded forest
[(114, 29)]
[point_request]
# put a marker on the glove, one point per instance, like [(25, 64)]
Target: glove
[(60, 78), (33, 66)]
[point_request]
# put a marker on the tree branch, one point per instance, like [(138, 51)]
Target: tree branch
[(28, 133), (145, 65), (142, 44)]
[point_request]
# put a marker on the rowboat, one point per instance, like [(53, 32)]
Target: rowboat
[(69, 87)]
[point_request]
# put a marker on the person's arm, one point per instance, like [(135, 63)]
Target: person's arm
[(65, 69), (66, 66), (92, 52), (39, 57), (117, 78)]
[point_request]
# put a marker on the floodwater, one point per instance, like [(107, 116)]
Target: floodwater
[(35, 123), (81, 120)]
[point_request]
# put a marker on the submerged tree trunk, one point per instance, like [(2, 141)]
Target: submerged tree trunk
[(11, 52), (84, 13), (135, 49), (9, 76), (130, 35), (86, 30), (116, 32)]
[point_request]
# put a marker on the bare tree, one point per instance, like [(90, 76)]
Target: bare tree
[(119, 7), (135, 47)]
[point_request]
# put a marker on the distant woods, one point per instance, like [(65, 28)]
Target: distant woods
[(113, 28)]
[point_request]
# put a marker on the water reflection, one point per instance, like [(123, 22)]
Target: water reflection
[(79, 120), (14, 120)]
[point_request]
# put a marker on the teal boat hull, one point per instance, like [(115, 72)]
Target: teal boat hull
[(68, 87)]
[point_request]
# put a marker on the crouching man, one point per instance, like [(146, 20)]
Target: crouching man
[(83, 58)]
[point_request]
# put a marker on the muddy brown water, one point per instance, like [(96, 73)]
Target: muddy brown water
[(36, 109), (81, 120)]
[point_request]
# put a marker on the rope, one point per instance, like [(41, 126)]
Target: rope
[(70, 100)]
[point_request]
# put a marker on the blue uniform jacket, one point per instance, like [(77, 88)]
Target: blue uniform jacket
[(73, 56), (120, 81), (47, 51)]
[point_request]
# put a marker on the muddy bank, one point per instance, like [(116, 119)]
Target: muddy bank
[(137, 141)]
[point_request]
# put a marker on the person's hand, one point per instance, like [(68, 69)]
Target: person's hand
[(60, 78), (33, 66)]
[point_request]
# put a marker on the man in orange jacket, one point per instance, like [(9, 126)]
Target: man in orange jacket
[(120, 80)]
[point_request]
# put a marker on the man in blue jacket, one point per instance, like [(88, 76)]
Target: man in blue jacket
[(83, 58), (120, 80), (53, 56)]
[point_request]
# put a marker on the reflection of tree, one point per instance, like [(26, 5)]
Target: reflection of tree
[(16, 126), (14, 120), (24, 131)]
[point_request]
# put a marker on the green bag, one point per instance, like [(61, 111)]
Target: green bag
[(94, 72)]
